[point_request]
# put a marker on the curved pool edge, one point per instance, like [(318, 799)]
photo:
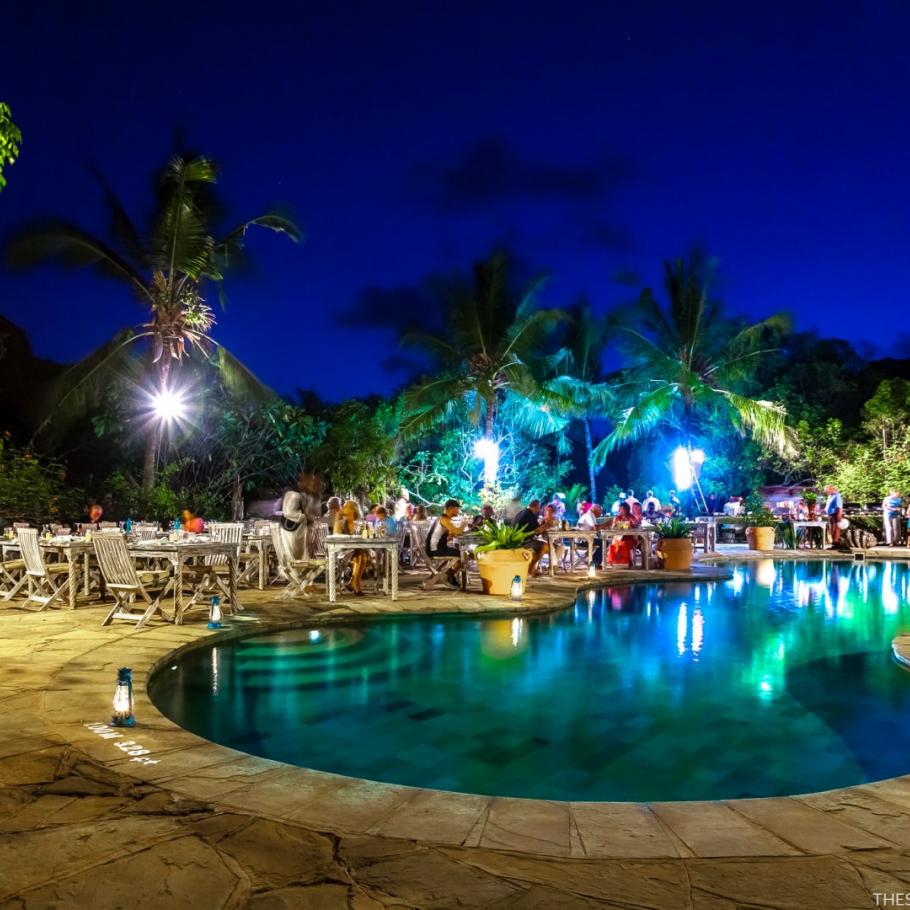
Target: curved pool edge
[(194, 768)]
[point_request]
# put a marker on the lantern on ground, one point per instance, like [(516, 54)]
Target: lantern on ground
[(517, 588), (123, 699), (215, 613), (592, 570)]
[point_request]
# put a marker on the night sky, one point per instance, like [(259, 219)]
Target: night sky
[(593, 140)]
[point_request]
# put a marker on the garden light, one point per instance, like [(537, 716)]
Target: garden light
[(215, 613), (123, 699), (488, 451), (592, 571), (682, 468), (517, 588), (168, 405)]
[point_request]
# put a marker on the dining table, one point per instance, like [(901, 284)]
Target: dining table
[(78, 554), (337, 544), (573, 535), (181, 554)]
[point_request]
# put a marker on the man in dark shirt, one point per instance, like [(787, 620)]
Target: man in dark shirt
[(528, 519)]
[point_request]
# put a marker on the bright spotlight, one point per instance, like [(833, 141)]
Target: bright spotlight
[(488, 451), (168, 406), (682, 468), (697, 456)]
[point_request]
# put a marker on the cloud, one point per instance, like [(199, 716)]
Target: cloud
[(492, 171)]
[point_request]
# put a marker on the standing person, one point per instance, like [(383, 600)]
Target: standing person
[(528, 520), (630, 498), (712, 503), (674, 501), (834, 509), (298, 507), (649, 500), (892, 508)]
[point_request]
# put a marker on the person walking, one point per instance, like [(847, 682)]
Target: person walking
[(892, 508), (834, 509)]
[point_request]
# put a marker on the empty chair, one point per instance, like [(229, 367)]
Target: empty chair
[(127, 584), (48, 582), (299, 573), (213, 573), (12, 577), (103, 525)]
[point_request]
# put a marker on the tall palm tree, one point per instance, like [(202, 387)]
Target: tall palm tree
[(579, 374), (167, 270), (484, 361), (689, 360)]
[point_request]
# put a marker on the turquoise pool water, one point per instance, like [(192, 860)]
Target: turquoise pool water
[(775, 682)]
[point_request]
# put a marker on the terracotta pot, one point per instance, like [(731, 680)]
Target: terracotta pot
[(760, 538), (811, 512), (676, 552), (498, 567)]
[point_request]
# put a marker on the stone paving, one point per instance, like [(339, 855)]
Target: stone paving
[(84, 825)]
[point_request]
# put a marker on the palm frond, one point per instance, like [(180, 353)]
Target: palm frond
[(635, 422), (765, 420), (238, 378), (71, 246)]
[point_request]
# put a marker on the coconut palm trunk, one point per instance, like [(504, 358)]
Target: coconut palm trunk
[(589, 454)]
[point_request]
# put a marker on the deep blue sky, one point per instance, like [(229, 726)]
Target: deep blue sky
[(411, 138)]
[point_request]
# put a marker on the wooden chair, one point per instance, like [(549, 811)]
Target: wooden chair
[(213, 572), (47, 582), (299, 573), (13, 578), (437, 566), (127, 584)]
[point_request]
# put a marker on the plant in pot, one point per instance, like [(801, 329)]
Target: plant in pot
[(760, 522), (674, 545), (810, 498), (501, 556)]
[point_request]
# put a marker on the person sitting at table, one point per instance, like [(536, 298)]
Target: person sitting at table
[(651, 514), (486, 513), (620, 552), (650, 500), (442, 532), (381, 518), (191, 522), (528, 520), (420, 513), (551, 522), (590, 521), (346, 523)]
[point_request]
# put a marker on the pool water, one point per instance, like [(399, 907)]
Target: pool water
[(778, 681)]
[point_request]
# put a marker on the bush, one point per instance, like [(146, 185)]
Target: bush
[(33, 489)]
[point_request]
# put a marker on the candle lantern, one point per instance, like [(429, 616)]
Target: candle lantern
[(215, 613), (592, 571), (123, 699), (517, 588)]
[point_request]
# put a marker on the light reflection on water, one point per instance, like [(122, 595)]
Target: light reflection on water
[(775, 681)]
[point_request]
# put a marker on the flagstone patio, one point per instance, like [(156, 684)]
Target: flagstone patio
[(84, 825)]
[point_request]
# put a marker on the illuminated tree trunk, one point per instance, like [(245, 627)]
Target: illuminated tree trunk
[(589, 447)]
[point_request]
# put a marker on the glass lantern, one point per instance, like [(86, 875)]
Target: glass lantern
[(215, 614), (517, 588), (123, 699)]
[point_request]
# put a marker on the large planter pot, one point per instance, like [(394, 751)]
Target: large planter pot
[(677, 553), (760, 538), (498, 567)]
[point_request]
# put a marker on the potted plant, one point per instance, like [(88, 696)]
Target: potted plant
[(760, 522), (674, 544), (810, 498), (501, 556)]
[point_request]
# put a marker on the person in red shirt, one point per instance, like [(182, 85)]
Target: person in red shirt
[(191, 522)]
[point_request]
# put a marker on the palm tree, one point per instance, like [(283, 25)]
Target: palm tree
[(690, 360), (167, 271), (484, 362), (578, 366)]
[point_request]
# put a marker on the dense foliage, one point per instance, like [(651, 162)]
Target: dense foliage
[(10, 137)]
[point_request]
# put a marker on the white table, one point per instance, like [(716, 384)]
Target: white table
[(817, 523), (339, 543), (179, 553), (645, 534), (573, 535)]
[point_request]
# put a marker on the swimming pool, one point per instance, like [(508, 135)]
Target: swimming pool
[(777, 681)]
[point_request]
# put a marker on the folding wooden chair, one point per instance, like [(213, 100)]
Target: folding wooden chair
[(299, 573), (127, 584), (437, 566), (13, 578), (47, 582), (213, 573)]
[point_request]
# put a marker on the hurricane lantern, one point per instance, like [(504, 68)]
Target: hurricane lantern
[(123, 699)]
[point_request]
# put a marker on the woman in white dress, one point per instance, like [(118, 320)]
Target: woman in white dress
[(298, 508)]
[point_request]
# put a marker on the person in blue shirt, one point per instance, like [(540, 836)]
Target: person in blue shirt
[(834, 509), (892, 508)]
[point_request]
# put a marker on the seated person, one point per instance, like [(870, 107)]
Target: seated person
[(420, 513), (651, 500), (486, 514), (591, 521), (332, 508), (620, 553), (191, 522), (440, 535), (651, 515), (382, 518), (551, 521), (528, 519), (346, 523)]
